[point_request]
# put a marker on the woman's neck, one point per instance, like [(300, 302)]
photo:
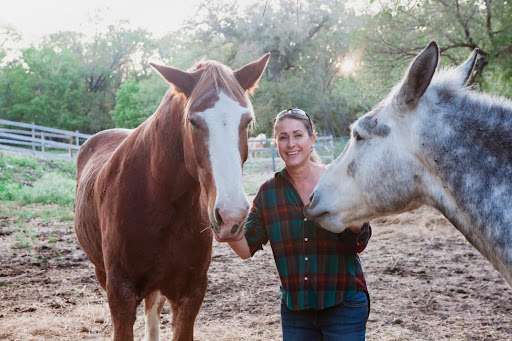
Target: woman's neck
[(301, 173)]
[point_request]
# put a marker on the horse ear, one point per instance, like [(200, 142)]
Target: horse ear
[(466, 68), (183, 81), (418, 77), (249, 75)]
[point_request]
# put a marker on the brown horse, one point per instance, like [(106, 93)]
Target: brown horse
[(146, 198)]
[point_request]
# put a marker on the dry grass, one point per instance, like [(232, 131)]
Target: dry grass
[(425, 280)]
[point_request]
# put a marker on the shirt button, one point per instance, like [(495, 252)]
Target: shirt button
[(305, 219), (305, 278), (306, 239), (306, 258)]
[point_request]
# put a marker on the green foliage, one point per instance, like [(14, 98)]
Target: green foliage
[(52, 188), (28, 180), (93, 83), (394, 35), (136, 101), (306, 45), (127, 113), (70, 82)]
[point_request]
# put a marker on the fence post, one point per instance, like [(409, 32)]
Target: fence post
[(33, 137), (77, 142), (332, 148), (273, 148), (42, 141)]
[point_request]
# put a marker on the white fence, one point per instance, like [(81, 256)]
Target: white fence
[(39, 140), (50, 142), (267, 158)]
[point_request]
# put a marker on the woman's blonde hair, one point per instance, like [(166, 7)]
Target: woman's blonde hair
[(300, 115)]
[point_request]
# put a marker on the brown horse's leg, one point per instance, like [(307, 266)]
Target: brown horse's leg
[(123, 308), (184, 312), (101, 276), (153, 305)]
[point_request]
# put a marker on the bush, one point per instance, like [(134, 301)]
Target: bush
[(53, 188)]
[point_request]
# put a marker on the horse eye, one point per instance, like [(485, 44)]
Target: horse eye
[(194, 123), (357, 136)]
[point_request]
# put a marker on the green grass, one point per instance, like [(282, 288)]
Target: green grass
[(26, 180), (34, 192), (52, 188)]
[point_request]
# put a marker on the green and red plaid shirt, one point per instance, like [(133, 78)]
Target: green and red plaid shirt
[(318, 268)]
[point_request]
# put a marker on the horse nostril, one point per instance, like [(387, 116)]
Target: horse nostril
[(234, 228), (313, 201), (218, 218)]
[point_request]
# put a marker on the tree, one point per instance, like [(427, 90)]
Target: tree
[(136, 101), (45, 88), (306, 44), (70, 81), (403, 28)]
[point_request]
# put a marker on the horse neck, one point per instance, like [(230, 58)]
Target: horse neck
[(164, 137), (468, 150)]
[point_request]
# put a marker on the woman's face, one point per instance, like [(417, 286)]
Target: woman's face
[(293, 142)]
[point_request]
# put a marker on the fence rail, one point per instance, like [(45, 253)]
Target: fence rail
[(40, 140), (265, 157), (50, 142)]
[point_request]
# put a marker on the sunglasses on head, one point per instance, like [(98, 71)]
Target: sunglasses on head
[(296, 112)]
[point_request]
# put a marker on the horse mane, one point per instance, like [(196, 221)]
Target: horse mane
[(487, 119), (221, 78)]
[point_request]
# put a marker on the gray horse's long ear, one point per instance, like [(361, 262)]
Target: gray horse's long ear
[(466, 68), (249, 75), (418, 77), (183, 81)]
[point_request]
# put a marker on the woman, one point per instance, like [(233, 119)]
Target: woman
[(324, 295)]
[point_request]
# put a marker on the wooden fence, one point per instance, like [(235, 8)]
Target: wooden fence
[(40, 140), (50, 142), (324, 145)]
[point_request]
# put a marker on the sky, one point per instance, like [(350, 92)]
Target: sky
[(36, 18)]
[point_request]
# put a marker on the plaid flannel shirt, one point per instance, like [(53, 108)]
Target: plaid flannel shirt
[(318, 269)]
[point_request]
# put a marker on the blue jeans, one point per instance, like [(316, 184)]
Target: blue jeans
[(343, 322)]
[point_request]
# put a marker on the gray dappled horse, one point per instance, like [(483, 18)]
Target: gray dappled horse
[(433, 142)]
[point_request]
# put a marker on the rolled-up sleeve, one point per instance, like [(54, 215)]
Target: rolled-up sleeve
[(356, 242), (363, 237), (254, 230)]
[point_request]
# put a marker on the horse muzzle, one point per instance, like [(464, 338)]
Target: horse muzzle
[(228, 224)]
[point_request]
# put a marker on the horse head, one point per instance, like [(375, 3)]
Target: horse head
[(216, 118), (383, 169)]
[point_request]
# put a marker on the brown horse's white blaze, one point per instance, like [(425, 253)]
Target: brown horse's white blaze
[(227, 123), (216, 127)]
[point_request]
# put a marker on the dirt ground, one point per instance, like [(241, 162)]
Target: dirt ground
[(425, 280)]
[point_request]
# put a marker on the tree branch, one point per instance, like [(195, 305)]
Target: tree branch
[(464, 25), (489, 27)]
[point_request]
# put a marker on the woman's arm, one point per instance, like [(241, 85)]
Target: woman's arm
[(241, 247)]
